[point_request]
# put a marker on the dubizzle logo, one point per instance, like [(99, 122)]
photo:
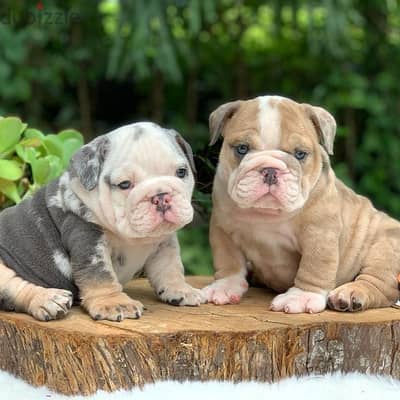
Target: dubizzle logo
[(41, 16)]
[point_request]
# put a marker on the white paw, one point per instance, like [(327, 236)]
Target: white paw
[(296, 301), (50, 304), (226, 290), (181, 295)]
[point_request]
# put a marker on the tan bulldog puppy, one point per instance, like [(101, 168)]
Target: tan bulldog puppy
[(280, 211)]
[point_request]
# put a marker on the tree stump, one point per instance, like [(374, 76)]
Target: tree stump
[(234, 342)]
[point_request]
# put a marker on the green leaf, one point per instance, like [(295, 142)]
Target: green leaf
[(53, 145), (70, 146), (9, 189), (46, 169), (40, 170), (67, 134), (31, 142), (33, 133), (27, 154), (56, 167), (11, 129), (10, 170)]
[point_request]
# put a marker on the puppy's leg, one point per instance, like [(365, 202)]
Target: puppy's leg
[(375, 286), (22, 296), (166, 275), (230, 269), (100, 292), (317, 271)]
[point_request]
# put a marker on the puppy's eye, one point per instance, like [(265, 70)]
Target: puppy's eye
[(300, 155), (124, 185), (181, 172), (242, 149)]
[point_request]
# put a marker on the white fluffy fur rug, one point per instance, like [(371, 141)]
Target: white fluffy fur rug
[(332, 387)]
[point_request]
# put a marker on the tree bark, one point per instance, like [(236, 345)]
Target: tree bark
[(238, 343)]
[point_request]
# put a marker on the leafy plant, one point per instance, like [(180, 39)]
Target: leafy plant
[(29, 159)]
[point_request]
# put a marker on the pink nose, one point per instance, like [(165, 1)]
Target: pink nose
[(162, 201)]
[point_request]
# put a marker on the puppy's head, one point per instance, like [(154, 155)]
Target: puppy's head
[(137, 180), (273, 152)]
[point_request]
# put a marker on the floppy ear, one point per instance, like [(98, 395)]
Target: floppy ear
[(87, 163), (187, 150), (325, 125), (219, 117)]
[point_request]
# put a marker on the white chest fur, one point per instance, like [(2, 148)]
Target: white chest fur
[(129, 258)]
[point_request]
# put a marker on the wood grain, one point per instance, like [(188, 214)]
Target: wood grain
[(238, 342)]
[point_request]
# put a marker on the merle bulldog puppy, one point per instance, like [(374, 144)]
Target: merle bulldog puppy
[(280, 211), (114, 213)]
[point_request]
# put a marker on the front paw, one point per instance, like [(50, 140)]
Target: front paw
[(114, 307), (50, 304), (296, 301), (226, 290), (181, 295), (348, 297)]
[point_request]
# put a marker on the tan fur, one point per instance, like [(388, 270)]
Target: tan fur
[(107, 301), (335, 243), (42, 303)]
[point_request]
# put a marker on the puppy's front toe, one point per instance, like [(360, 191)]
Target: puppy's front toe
[(49, 304), (348, 297), (116, 307), (296, 301), (184, 295), (226, 291)]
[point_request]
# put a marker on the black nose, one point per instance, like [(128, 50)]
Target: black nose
[(270, 176), (162, 201)]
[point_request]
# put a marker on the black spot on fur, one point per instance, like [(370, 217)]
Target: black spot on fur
[(325, 167), (356, 305), (175, 302), (121, 259), (6, 302)]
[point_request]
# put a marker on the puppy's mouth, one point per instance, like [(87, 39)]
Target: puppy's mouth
[(271, 189), (268, 202), (168, 216), (164, 205), (160, 214)]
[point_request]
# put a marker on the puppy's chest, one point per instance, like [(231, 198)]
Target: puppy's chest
[(128, 260), (267, 236), (272, 250)]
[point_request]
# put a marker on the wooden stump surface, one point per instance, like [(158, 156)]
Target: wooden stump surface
[(233, 342)]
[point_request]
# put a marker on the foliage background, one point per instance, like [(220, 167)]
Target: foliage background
[(96, 65)]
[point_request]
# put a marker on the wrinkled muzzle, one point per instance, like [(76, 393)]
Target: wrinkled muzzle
[(157, 206), (267, 179)]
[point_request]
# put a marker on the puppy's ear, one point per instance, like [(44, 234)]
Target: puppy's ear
[(87, 163), (187, 150), (325, 125), (219, 117)]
